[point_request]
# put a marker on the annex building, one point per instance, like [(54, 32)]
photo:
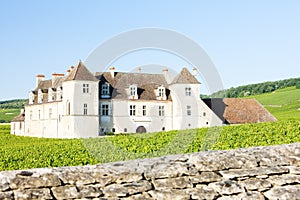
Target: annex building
[(80, 104)]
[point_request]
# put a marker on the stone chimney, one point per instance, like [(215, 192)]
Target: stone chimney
[(165, 71), (55, 76), (195, 71), (39, 78), (68, 72), (112, 72)]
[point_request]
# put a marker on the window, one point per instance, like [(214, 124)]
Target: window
[(50, 95), (59, 94), (161, 93), (30, 114), (105, 89), (39, 114), (188, 91), (104, 109), (163, 129), (188, 110), (161, 110), (85, 88), (132, 90), (204, 114), (40, 96), (125, 130), (85, 108), (132, 110), (50, 113), (144, 110), (113, 130), (31, 98)]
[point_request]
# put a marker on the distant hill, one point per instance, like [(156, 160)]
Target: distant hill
[(256, 89), (13, 104), (282, 103)]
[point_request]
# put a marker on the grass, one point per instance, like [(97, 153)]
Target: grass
[(6, 115), (284, 104)]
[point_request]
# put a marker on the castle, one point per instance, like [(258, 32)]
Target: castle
[(81, 104)]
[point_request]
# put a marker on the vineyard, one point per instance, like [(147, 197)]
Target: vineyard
[(27, 152)]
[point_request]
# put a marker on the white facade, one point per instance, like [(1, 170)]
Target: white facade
[(81, 105)]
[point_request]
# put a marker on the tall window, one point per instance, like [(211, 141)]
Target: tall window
[(144, 110), (105, 109), (161, 110), (188, 110), (132, 110), (85, 88), (105, 89), (188, 91), (30, 114), (50, 113), (85, 108), (39, 114)]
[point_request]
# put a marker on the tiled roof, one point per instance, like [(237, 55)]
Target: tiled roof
[(239, 111), (185, 77), (146, 84), (20, 117), (80, 73)]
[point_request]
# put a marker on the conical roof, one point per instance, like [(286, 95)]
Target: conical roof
[(185, 77), (80, 73)]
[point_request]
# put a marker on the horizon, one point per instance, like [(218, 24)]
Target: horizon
[(249, 42)]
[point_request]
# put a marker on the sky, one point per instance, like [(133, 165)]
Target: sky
[(248, 41)]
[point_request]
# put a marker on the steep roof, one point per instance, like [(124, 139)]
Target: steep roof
[(185, 77), (80, 73), (146, 84), (239, 111)]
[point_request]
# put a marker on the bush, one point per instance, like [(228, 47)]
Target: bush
[(298, 85)]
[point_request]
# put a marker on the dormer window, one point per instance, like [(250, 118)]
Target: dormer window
[(161, 93), (105, 90), (40, 96), (133, 92), (59, 94), (31, 97), (50, 95)]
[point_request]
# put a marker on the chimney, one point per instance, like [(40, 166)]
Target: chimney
[(195, 71), (68, 72), (165, 71), (112, 72), (139, 70), (56, 76), (39, 78)]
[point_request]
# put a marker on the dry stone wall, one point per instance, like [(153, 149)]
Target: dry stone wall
[(256, 173)]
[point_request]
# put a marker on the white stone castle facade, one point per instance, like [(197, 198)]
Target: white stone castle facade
[(81, 104)]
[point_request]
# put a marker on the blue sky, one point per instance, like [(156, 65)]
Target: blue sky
[(248, 41)]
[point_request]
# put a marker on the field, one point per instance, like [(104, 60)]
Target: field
[(284, 103), (26, 152), (6, 115)]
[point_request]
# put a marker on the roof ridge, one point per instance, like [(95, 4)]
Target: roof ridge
[(185, 77)]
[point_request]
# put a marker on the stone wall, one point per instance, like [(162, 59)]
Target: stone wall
[(255, 173)]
